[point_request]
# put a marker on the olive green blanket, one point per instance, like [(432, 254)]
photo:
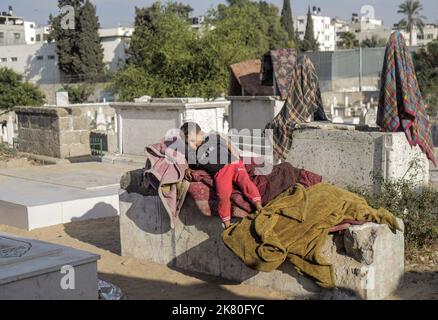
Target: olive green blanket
[(295, 225)]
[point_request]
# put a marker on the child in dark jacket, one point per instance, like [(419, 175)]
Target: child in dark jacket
[(213, 154)]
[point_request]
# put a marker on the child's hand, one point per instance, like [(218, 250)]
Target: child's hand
[(188, 174)]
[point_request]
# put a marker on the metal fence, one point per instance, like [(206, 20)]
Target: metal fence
[(345, 65)]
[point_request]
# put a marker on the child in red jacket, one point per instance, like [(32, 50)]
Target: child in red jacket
[(213, 154)]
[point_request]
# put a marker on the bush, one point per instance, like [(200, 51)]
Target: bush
[(79, 93), (417, 208), (14, 91)]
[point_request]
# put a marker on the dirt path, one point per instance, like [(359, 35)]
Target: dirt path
[(146, 280)]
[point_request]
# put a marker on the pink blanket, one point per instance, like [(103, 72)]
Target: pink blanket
[(164, 172)]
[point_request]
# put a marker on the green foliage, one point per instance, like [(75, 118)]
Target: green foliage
[(373, 42), (6, 152), (287, 20), (418, 208), (79, 93), (16, 92), (349, 41), (426, 67), (169, 59), (309, 42), (79, 51), (411, 9)]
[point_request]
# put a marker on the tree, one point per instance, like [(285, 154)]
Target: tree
[(349, 41), (426, 67), (16, 92), (79, 51), (167, 58), (90, 50), (373, 42), (79, 93), (287, 20), (309, 42), (411, 9)]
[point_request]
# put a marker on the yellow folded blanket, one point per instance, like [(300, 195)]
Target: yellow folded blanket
[(295, 226)]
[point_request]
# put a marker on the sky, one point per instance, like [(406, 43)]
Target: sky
[(114, 12)]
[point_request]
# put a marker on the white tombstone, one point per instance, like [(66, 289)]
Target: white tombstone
[(62, 98), (346, 101), (10, 131), (4, 134), (335, 102), (101, 123)]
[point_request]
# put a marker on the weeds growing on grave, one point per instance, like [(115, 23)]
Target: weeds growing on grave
[(418, 207), (6, 152)]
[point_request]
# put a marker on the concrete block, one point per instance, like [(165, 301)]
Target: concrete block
[(85, 137), (196, 245), (70, 137), (78, 149), (65, 124), (33, 270), (253, 112), (361, 159), (80, 123)]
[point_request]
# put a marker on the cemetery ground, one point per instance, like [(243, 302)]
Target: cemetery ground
[(140, 279), (147, 280)]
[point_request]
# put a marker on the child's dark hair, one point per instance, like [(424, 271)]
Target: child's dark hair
[(188, 126)]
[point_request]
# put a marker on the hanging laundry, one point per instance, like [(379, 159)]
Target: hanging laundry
[(401, 104), (303, 101)]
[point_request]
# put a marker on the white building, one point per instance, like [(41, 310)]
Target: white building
[(15, 30), (324, 30), (115, 41), (42, 34), (430, 33), (30, 32), (38, 61)]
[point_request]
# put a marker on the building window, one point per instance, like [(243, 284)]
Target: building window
[(327, 38), (4, 59), (17, 36), (430, 36), (2, 35), (14, 59), (40, 58), (38, 37), (32, 39), (51, 57), (31, 26)]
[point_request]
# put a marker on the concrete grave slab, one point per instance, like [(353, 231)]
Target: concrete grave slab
[(31, 270), (49, 195), (368, 260)]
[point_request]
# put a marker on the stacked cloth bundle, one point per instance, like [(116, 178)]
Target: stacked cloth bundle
[(164, 173), (295, 226), (401, 105), (282, 177), (298, 83)]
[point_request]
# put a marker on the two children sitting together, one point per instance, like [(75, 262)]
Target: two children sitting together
[(213, 154)]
